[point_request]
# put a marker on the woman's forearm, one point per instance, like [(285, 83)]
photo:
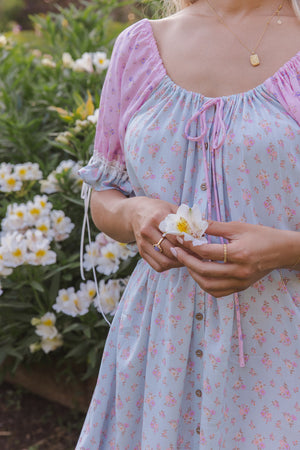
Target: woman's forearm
[(111, 212)]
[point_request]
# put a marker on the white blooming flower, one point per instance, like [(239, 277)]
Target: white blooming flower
[(61, 225), (4, 270), (69, 302), (50, 185), (48, 62), (14, 248), (103, 239), (92, 253), (127, 251), (187, 222), (80, 125), (10, 183), (67, 60), (49, 345), (35, 347), (1, 290), (109, 296), (39, 247), (45, 326), (109, 260), (87, 291), (64, 137), (84, 64), (100, 61), (38, 208), (16, 217), (5, 169), (44, 225), (28, 171), (3, 40), (94, 117)]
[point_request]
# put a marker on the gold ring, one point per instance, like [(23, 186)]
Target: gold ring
[(225, 253), (157, 247)]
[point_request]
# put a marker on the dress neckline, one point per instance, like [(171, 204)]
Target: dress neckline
[(257, 89)]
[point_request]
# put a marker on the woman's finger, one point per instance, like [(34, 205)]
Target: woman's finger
[(211, 252), (224, 229)]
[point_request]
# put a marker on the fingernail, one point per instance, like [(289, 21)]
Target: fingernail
[(180, 240), (174, 252)]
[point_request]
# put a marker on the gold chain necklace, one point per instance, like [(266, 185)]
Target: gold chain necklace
[(254, 58)]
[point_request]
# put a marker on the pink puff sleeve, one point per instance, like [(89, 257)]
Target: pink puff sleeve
[(285, 86), (135, 70)]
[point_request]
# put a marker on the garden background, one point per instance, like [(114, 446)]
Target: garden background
[(53, 61)]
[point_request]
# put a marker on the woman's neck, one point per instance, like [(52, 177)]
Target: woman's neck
[(244, 7)]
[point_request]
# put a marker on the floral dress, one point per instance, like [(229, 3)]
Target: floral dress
[(182, 369)]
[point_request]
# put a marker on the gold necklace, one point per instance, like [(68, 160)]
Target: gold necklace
[(254, 58)]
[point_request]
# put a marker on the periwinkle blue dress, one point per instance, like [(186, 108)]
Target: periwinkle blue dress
[(176, 372)]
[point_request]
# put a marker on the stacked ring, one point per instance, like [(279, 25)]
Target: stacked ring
[(157, 246), (225, 253)]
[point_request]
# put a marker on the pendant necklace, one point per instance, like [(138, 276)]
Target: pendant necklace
[(254, 58)]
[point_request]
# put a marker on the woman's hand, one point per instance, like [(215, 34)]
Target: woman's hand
[(252, 252), (145, 215)]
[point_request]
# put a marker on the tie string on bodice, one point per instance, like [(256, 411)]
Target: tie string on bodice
[(218, 139)]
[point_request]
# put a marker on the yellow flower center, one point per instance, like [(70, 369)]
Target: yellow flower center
[(22, 171), (17, 253), (40, 253), (59, 219), (65, 297), (43, 203), (101, 61), (35, 211), (183, 226), (11, 181), (20, 214), (92, 292), (42, 227), (1, 257), (109, 255), (48, 323)]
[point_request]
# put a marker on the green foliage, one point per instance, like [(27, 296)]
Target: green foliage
[(9, 10), (34, 89)]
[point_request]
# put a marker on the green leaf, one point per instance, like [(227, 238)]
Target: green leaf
[(37, 286)]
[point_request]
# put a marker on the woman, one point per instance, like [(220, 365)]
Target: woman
[(202, 107)]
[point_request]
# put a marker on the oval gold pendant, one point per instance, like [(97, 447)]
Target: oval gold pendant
[(254, 59)]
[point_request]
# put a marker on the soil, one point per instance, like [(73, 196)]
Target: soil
[(29, 422)]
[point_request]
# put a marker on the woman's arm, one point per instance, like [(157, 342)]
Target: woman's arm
[(135, 219), (253, 251)]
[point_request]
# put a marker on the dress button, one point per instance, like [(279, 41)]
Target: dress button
[(199, 316), (203, 187), (198, 430), (199, 393), (199, 353), (206, 145)]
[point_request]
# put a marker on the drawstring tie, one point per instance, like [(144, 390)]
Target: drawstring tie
[(86, 191), (218, 129)]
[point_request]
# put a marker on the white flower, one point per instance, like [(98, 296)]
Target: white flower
[(92, 253), (80, 125), (43, 224), (16, 217), (50, 185), (48, 62), (65, 166), (62, 225), (4, 270), (1, 290), (3, 40), (94, 117), (48, 345), (40, 253), (5, 169), (87, 291), (10, 183), (64, 137), (14, 248), (45, 326), (28, 171), (109, 260), (69, 302), (103, 239), (67, 60), (35, 347), (100, 61), (127, 251), (84, 64), (38, 208), (186, 222), (109, 294)]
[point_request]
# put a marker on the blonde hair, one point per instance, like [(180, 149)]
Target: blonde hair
[(177, 5)]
